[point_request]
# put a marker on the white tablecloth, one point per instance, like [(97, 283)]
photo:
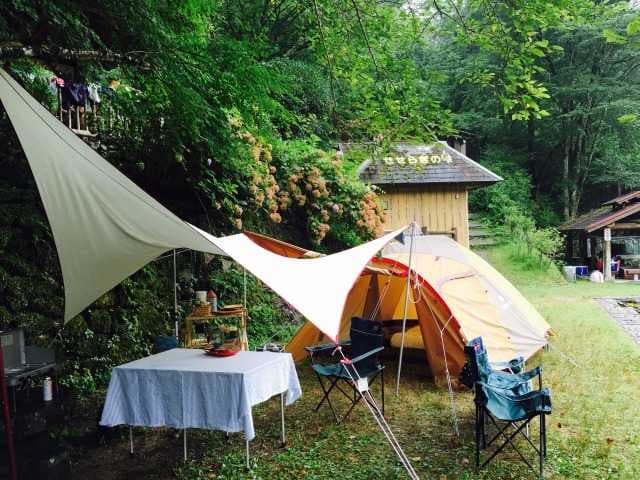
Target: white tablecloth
[(184, 388)]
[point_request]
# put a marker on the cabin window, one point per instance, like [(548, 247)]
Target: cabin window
[(628, 246), (575, 246)]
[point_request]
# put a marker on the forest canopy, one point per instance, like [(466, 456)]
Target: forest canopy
[(225, 91)]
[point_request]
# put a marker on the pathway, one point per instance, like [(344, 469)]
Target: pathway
[(627, 317)]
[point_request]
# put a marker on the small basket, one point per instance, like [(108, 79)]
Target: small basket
[(202, 310)]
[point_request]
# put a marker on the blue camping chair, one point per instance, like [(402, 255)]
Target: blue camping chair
[(509, 402), (506, 375), (365, 346), (514, 365)]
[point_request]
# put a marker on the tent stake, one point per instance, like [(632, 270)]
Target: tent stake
[(406, 307)]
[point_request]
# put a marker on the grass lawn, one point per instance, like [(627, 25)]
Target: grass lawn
[(594, 431)]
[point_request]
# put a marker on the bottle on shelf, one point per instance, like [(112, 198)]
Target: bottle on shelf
[(212, 298)]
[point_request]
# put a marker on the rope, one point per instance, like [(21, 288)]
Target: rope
[(376, 309), (416, 286), (378, 416), (178, 252), (564, 355), (454, 415), (406, 307)]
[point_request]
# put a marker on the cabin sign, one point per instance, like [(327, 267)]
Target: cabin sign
[(428, 184), (424, 159)]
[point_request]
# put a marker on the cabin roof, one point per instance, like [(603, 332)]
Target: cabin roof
[(622, 199), (409, 164), (611, 211)]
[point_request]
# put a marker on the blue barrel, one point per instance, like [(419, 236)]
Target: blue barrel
[(582, 270)]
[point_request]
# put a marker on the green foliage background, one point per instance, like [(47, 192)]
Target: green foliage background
[(229, 113)]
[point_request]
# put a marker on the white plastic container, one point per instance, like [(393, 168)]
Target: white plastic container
[(596, 276), (201, 296), (47, 389), (569, 273)]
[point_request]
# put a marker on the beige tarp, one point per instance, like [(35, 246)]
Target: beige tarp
[(316, 287), (106, 228)]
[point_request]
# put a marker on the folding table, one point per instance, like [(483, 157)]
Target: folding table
[(185, 388)]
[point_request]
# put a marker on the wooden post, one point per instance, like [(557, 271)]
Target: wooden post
[(606, 263), (59, 102), (11, 452)]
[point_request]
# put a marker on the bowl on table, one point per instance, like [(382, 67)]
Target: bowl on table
[(220, 352)]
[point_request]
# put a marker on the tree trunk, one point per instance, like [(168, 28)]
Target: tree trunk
[(565, 182)]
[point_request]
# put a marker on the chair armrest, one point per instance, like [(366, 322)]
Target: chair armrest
[(366, 355), (516, 397), (515, 365), (528, 375), (515, 383), (326, 346)]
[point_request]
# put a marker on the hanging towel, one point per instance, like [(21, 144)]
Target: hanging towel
[(94, 93), (74, 94)]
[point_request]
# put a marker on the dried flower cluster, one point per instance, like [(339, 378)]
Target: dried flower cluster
[(371, 216), (313, 185)]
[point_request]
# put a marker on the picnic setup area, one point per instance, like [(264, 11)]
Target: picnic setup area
[(282, 239)]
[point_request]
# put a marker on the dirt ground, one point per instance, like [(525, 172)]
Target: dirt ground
[(104, 454)]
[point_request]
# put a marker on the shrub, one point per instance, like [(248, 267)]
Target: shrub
[(533, 246)]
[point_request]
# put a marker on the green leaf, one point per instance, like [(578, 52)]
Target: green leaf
[(634, 26), (613, 37), (627, 118)]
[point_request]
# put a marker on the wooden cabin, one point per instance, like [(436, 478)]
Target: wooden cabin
[(426, 183), (585, 234)]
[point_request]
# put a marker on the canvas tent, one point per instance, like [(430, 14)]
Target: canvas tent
[(454, 296)]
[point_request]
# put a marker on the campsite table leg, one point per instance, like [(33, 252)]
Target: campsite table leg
[(130, 440), (247, 446), (284, 439)]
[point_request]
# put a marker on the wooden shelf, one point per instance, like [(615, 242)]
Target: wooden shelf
[(240, 342)]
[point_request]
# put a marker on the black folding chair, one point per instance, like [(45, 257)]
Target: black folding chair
[(365, 346)]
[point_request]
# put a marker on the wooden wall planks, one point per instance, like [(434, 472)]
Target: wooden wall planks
[(438, 208)]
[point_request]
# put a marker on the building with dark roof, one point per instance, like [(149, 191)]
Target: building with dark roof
[(585, 234), (426, 183)]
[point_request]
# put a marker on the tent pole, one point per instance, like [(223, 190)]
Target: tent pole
[(185, 444), (244, 288), (406, 307), (175, 296), (13, 471)]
